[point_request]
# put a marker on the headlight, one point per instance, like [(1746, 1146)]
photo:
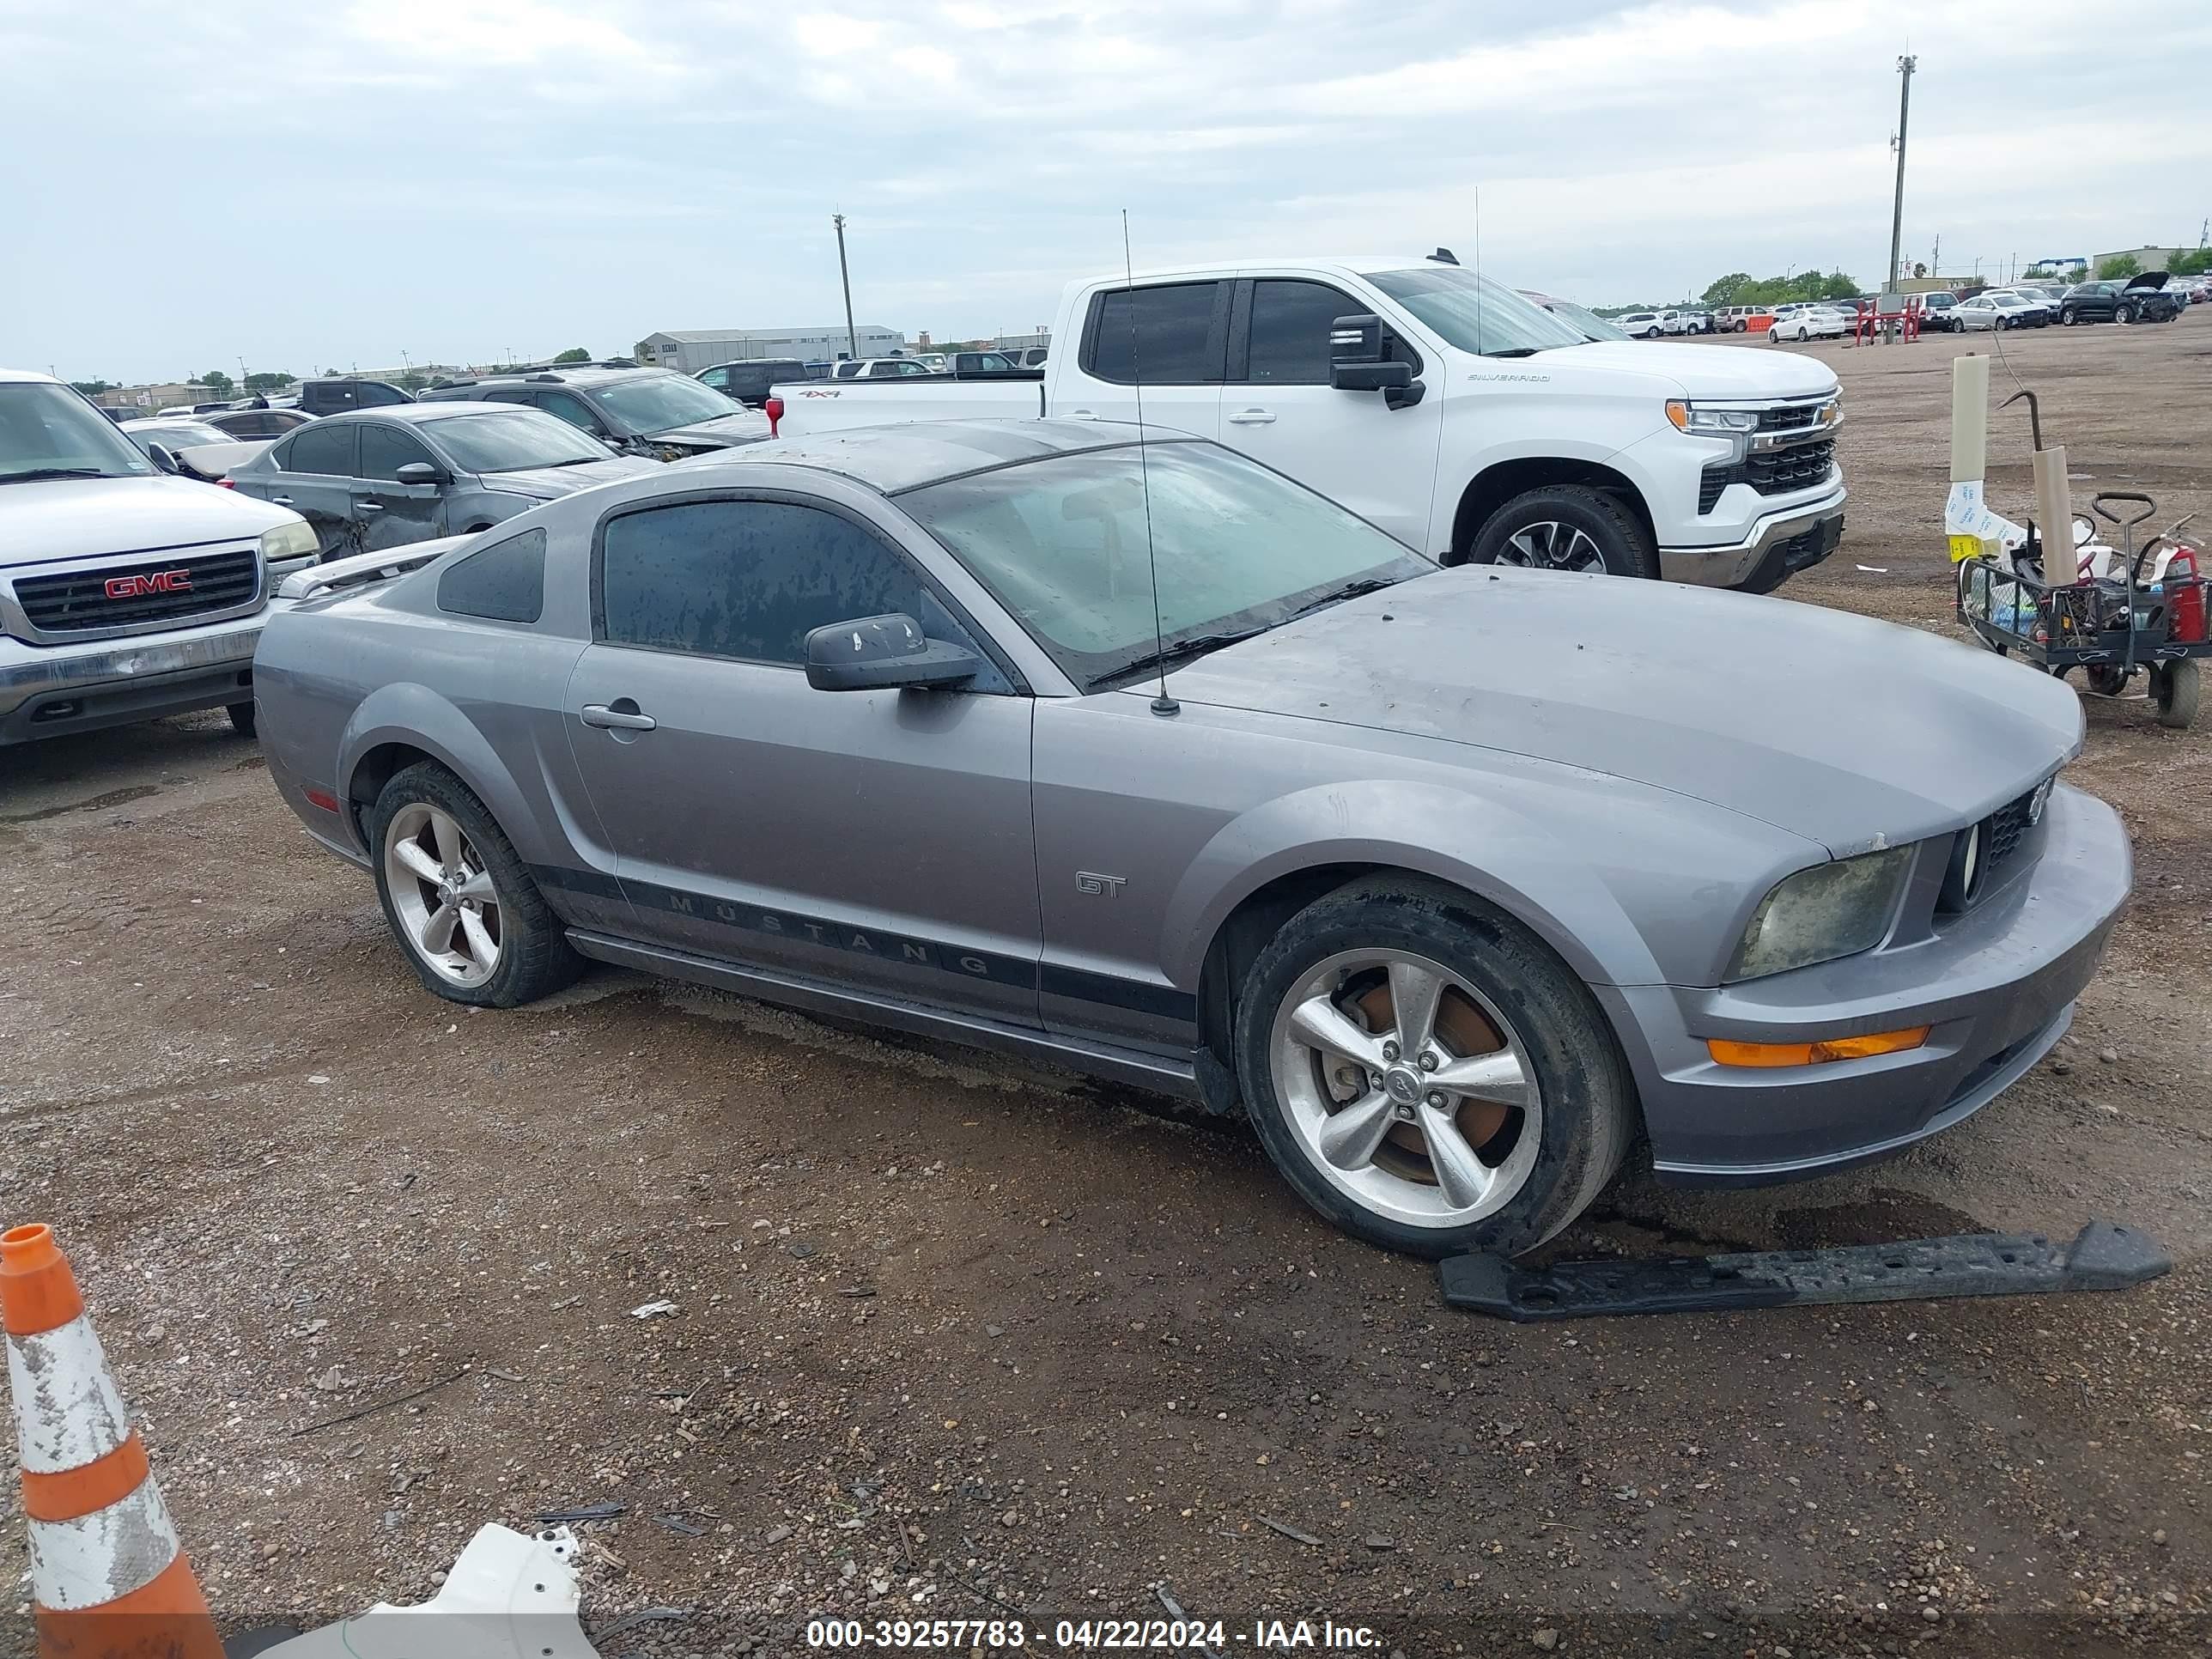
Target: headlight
[(1701, 422), (296, 540), (1830, 910)]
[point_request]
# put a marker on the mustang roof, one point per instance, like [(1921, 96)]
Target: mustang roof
[(906, 456)]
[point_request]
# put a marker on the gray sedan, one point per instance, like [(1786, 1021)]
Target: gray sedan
[(1153, 762), (379, 478)]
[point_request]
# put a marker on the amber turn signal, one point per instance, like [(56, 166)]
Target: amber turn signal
[(1725, 1053)]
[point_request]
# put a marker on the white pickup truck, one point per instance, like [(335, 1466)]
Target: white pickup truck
[(1441, 405)]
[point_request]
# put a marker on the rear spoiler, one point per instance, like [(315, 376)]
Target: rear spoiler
[(358, 569)]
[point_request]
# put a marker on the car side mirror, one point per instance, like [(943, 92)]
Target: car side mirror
[(421, 472), (159, 455), (881, 653)]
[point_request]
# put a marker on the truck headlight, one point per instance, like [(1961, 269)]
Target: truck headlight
[(1700, 421), (296, 540), (1830, 910)]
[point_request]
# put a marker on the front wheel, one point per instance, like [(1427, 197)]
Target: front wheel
[(2068, 317), (1426, 1074), (1567, 527), (242, 718), (457, 895), (2125, 314)]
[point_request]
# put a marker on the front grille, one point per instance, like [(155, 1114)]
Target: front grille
[(1773, 472), (2002, 832), (1791, 417), (80, 601), (2006, 825)]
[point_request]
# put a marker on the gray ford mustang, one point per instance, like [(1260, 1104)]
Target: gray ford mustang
[(1452, 881)]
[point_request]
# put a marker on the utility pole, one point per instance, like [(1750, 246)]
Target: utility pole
[(852, 335), (1904, 68), (1935, 260)]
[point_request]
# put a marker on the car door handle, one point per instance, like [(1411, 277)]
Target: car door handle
[(1253, 418), (618, 719), (281, 501), (367, 506)]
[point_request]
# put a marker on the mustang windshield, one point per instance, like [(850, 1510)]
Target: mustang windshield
[(1061, 542), (512, 440), (47, 431)]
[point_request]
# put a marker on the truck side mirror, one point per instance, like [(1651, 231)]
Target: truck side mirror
[(1356, 363)]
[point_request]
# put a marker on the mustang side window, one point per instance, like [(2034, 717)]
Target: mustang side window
[(750, 579)]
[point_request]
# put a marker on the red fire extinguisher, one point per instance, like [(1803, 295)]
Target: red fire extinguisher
[(2185, 598)]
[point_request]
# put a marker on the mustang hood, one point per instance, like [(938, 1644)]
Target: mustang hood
[(1849, 732), (84, 518), (723, 432), (546, 483)]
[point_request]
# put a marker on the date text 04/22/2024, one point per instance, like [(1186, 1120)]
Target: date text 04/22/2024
[(999, 1635)]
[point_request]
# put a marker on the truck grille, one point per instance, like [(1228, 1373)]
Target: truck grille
[(1773, 473), (1791, 417), (142, 592)]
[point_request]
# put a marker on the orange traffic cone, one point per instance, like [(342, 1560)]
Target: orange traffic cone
[(109, 1577)]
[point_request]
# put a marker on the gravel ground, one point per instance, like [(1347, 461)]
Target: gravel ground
[(953, 1336)]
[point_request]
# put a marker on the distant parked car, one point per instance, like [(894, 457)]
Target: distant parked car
[(191, 448), (382, 477), (880, 368), (1808, 322), (257, 422), (1734, 320), (2139, 299), (1031, 356), (1640, 324), (1980, 311), (339, 393), (749, 380), (653, 412), (1697, 320), (1935, 309), (2040, 311)]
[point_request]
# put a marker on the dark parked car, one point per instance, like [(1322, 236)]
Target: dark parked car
[(258, 422), (1452, 911), (379, 479), (653, 412), (2141, 299), (749, 380), (335, 397)]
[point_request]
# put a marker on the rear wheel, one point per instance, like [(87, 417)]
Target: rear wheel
[(243, 718), (475, 925), (1426, 1074), (1567, 527), (2173, 690)]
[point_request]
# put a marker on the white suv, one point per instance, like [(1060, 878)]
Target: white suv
[(125, 593)]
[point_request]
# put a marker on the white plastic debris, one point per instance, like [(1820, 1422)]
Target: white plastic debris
[(652, 1310), (509, 1596)]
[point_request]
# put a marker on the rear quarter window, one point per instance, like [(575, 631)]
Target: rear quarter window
[(504, 582)]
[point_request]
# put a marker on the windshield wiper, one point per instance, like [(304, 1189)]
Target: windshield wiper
[(1515, 351), (1351, 590), (1181, 651), (38, 472)]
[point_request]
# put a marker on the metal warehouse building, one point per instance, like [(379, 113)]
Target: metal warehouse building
[(689, 350)]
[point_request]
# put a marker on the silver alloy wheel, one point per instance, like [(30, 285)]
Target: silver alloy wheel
[(447, 905), (1409, 1090), (1552, 545)]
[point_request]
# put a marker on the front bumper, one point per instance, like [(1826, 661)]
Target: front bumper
[(1997, 986), (49, 691), (1816, 524)]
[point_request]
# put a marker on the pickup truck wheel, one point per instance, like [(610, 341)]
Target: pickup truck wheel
[(1426, 1074), (457, 895), (241, 718), (1567, 527)]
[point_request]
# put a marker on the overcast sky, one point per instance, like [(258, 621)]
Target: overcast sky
[(318, 183)]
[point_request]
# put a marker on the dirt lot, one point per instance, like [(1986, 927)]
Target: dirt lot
[(953, 1336)]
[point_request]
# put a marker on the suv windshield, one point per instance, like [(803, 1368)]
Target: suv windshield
[(657, 402), (1475, 313), (513, 439), (47, 431), (1061, 543)]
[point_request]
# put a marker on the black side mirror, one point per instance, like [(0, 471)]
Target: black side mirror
[(421, 472), (1356, 360), (880, 654)]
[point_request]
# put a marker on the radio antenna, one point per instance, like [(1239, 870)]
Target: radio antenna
[(1478, 268), (1163, 704)]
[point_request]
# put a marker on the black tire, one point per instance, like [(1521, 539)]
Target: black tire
[(2173, 690), (2068, 316), (242, 718), (1623, 545), (535, 958), (2124, 314), (1589, 1099)]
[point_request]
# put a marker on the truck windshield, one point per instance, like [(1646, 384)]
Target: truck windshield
[(1061, 543), (1589, 324), (658, 401), (47, 431), (514, 438), (1475, 313)]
